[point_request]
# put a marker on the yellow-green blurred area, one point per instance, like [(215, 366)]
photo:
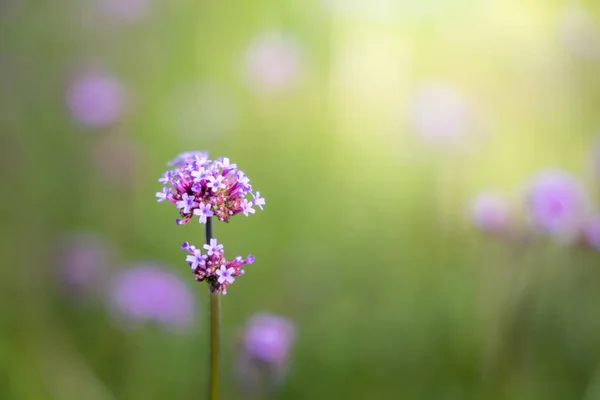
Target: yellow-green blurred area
[(369, 127)]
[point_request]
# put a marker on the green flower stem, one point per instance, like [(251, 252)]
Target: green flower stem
[(215, 325)]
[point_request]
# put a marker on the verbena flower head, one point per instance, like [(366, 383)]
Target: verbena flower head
[(149, 293), (203, 188), (209, 264), (490, 213), (557, 204), (268, 338), (591, 232)]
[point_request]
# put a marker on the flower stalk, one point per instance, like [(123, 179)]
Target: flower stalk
[(204, 188), (215, 325)]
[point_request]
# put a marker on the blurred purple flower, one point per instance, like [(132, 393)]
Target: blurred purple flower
[(268, 338), (95, 99), (265, 349), (440, 113), (126, 10), (149, 293), (490, 213), (557, 204), (272, 62), (591, 232), (83, 261)]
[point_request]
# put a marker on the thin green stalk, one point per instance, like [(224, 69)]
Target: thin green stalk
[(215, 325), (214, 346)]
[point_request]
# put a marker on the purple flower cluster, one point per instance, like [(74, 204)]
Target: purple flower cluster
[(212, 266), (205, 188)]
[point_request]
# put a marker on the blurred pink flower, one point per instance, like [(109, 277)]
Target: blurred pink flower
[(490, 213), (557, 204), (95, 99), (83, 261), (440, 113), (272, 62), (149, 293)]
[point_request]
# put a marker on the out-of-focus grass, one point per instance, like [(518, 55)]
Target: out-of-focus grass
[(364, 241)]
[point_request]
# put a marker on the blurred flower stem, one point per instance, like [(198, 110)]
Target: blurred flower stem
[(215, 322)]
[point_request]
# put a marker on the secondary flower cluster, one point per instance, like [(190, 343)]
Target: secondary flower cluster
[(205, 188), (212, 266)]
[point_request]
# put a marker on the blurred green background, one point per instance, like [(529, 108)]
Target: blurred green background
[(365, 241)]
